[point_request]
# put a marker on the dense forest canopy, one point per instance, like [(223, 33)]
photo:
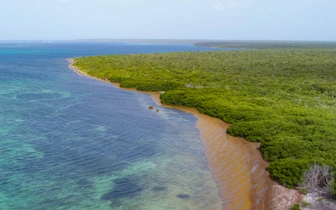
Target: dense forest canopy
[(283, 98)]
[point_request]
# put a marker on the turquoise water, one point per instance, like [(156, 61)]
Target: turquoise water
[(71, 142)]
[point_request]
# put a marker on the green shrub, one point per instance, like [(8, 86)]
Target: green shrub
[(296, 207), (305, 204), (304, 191)]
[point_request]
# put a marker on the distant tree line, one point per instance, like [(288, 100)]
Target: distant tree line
[(267, 44)]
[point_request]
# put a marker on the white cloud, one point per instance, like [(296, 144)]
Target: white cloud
[(220, 5), (235, 4)]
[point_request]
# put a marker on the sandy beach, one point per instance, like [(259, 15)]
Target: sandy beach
[(236, 164)]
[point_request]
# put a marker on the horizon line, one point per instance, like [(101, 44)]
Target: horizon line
[(169, 39)]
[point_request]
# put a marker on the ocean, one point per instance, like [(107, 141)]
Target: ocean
[(72, 142)]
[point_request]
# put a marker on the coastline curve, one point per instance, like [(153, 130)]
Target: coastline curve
[(236, 164)]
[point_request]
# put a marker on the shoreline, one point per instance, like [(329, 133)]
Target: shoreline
[(236, 164)]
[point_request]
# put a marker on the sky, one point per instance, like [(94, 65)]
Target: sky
[(305, 20)]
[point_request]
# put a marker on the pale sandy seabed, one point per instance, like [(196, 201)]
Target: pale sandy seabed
[(236, 164)]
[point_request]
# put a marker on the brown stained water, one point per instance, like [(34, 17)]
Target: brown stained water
[(236, 164)]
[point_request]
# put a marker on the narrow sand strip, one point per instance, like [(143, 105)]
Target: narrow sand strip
[(236, 164)]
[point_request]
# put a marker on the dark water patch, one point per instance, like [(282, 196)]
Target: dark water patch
[(38, 96), (183, 196), (60, 167), (138, 152), (64, 159), (84, 183), (126, 187), (5, 179), (52, 201), (159, 188)]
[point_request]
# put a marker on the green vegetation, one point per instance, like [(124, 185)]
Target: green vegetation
[(304, 191), (296, 207), (305, 204), (283, 98)]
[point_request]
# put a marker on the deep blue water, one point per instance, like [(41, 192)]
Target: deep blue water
[(71, 142)]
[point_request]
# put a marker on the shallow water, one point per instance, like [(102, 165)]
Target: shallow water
[(71, 142)]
